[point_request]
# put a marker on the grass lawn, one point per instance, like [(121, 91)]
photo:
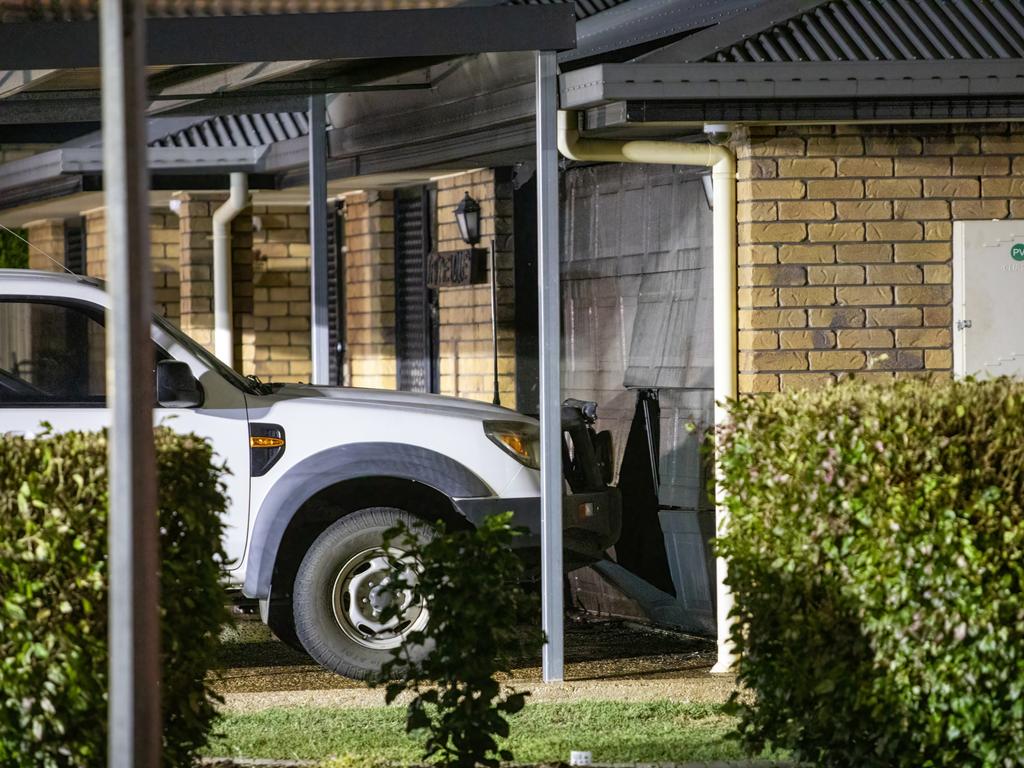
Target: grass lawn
[(613, 731)]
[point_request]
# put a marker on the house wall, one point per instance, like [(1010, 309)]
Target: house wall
[(845, 245), (165, 253), (370, 289), (270, 267), (280, 303), (46, 235), (466, 353), (95, 242)]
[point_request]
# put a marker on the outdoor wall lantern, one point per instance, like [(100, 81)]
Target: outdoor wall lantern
[(467, 215)]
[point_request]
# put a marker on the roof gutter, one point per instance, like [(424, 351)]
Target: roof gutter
[(722, 163), (55, 163)]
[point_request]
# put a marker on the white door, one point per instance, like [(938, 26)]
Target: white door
[(53, 372), (988, 298)]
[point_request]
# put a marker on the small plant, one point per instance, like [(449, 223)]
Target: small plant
[(470, 581)]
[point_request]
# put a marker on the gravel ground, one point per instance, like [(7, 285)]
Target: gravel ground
[(609, 660)]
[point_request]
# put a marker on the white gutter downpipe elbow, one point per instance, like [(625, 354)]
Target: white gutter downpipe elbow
[(223, 324), (723, 173)]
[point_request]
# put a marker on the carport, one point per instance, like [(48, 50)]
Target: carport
[(120, 68)]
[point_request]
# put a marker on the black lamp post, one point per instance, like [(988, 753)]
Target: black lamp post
[(467, 215)]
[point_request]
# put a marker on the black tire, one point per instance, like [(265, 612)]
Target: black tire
[(313, 598)]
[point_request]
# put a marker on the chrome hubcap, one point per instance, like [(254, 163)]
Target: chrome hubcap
[(364, 588)]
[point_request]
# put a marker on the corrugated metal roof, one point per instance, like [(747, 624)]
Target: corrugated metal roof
[(584, 8), (238, 131), (889, 30)]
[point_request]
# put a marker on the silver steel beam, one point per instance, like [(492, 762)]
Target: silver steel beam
[(550, 367), (318, 237), (134, 633)]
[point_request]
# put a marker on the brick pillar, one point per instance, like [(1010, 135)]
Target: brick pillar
[(370, 289), (195, 253), (195, 266), (46, 235), (164, 246), (96, 242)]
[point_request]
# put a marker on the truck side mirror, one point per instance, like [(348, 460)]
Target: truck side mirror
[(176, 387)]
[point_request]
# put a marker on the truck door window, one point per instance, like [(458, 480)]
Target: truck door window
[(50, 355)]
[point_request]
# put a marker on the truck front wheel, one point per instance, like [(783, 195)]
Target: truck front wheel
[(342, 588)]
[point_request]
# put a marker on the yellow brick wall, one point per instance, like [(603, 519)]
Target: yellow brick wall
[(95, 242), (280, 301), (370, 289), (165, 252), (195, 265), (845, 244), (465, 313), (46, 235)]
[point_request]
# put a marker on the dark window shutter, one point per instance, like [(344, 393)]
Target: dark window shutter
[(335, 295), (74, 246), (414, 321)]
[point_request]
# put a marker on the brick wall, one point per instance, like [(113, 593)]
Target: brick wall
[(165, 250), (281, 303), (95, 242), (47, 235), (370, 289), (465, 313), (845, 244)]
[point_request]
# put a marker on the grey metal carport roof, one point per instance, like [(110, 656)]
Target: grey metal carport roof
[(819, 61), (859, 30), (134, 669)]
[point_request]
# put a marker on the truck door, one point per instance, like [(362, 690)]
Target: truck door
[(53, 371)]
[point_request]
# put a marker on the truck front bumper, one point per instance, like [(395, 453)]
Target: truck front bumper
[(591, 523)]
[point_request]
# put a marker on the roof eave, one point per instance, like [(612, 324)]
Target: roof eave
[(716, 82)]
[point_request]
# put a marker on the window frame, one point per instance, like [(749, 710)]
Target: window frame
[(94, 312)]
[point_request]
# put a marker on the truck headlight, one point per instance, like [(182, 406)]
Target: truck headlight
[(519, 440)]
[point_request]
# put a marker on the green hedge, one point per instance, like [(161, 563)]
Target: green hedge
[(53, 612), (876, 551)]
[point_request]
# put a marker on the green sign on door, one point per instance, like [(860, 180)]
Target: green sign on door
[(1017, 252)]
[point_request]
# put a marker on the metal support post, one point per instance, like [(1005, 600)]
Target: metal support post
[(134, 693), (550, 369), (318, 237)]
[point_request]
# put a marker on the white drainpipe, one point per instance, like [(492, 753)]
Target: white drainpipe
[(223, 325), (723, 173)]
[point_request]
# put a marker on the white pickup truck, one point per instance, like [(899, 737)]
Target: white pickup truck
[(316, 473)]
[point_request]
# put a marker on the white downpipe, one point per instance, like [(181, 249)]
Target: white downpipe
[(723, 173), (223, 325)]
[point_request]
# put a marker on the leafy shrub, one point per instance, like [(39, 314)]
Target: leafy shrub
[(470, 580), (876, 550), (13, 252), (53, 609)]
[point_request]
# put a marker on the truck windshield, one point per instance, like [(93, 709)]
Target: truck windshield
[(208, 359)]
